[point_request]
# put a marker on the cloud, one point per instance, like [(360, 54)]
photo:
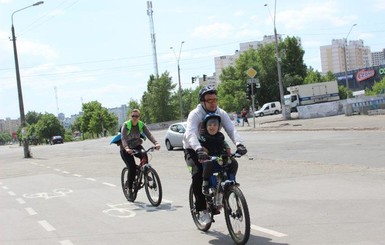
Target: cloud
[(215, 30), (239, 13), (36, 49), (314, 15)]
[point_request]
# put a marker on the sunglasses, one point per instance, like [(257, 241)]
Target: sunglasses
[(135, 116), (210, 101)]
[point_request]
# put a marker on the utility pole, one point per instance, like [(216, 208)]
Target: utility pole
[(153, 42), (27, 153)]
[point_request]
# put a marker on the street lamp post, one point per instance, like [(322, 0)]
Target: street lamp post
[(345, 59), (284, 115), (180, 86), (27, 153)]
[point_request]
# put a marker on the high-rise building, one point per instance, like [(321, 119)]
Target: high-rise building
[(378, 58), (333, 56)]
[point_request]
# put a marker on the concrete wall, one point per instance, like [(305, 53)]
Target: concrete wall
[(321, 110), (361, 105)]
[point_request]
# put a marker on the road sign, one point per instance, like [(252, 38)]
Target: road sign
[(251, 72), (254, 80)]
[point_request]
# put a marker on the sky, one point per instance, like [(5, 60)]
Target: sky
[(76, 51)]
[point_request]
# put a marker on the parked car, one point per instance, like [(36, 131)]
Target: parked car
[(269, 109), (174, 135), (57, 140)]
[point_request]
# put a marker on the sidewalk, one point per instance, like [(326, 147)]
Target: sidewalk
[(340, 122)]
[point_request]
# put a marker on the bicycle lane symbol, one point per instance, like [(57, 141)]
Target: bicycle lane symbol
[(59, 192), (126, 210), (119, 210)]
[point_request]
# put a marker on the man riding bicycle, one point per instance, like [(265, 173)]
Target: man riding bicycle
[(193, 151)]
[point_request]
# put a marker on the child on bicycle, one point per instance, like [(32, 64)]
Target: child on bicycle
[(214, 144), (132, 132)]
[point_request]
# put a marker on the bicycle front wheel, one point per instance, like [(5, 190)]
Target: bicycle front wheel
[(237, 215), (153, 187), (124, 181)]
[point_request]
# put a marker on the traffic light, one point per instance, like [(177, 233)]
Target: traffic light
[(204, 77), (248, 91), (192, 79)]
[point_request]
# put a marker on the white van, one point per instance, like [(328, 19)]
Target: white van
[(269, 109)]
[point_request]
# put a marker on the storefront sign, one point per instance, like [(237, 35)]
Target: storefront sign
[(364, 75)]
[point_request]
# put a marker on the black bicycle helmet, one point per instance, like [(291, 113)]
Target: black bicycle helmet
[(206, 90), (211, 118)]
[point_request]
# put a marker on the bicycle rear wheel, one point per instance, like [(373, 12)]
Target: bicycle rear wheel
[(153, 187), (124, 181), (195, 214), (237, 215)]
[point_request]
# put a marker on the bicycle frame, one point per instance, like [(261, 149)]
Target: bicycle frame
[(218, 183), (145, 176)]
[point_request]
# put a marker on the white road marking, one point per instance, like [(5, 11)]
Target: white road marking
[(66, 242), (5, 188), (65, 172), (48, 167), (46, 225), (91, 179), (267, 231), (20, 201), (30, 211), (77, 175), (11, 193), (58, 170), (112, 185)]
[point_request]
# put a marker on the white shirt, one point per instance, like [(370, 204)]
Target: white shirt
[(194, 121)]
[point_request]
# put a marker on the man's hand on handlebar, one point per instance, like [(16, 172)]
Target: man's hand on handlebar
[(241, 150), (202, 155), (157, 146)]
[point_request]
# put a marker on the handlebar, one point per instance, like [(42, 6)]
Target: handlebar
[(235, 155), (151, 149)]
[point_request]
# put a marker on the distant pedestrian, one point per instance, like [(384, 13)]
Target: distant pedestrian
[(236, 119), (244, 117)]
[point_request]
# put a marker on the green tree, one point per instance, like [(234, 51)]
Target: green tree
[(313, 76), (190, 100), (47, 127), (329, 77), (95, 119), (232, 90), (293, 66), (32, 117), (378, 88), (5, 137), (156, 101)]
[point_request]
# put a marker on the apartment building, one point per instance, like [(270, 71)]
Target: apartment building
[(9, 125), (333, 56), (224, 61), (378, 58)]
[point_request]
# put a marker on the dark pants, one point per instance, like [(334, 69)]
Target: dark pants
[(130, 163), (196, 169)]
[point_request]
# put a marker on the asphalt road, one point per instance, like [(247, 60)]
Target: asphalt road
[(302, 187)]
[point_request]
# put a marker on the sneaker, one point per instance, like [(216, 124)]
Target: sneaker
[(204, 217), (205, 190)]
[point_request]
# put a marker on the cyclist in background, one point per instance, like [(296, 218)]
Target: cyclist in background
[(193, 150), (133, 132)]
